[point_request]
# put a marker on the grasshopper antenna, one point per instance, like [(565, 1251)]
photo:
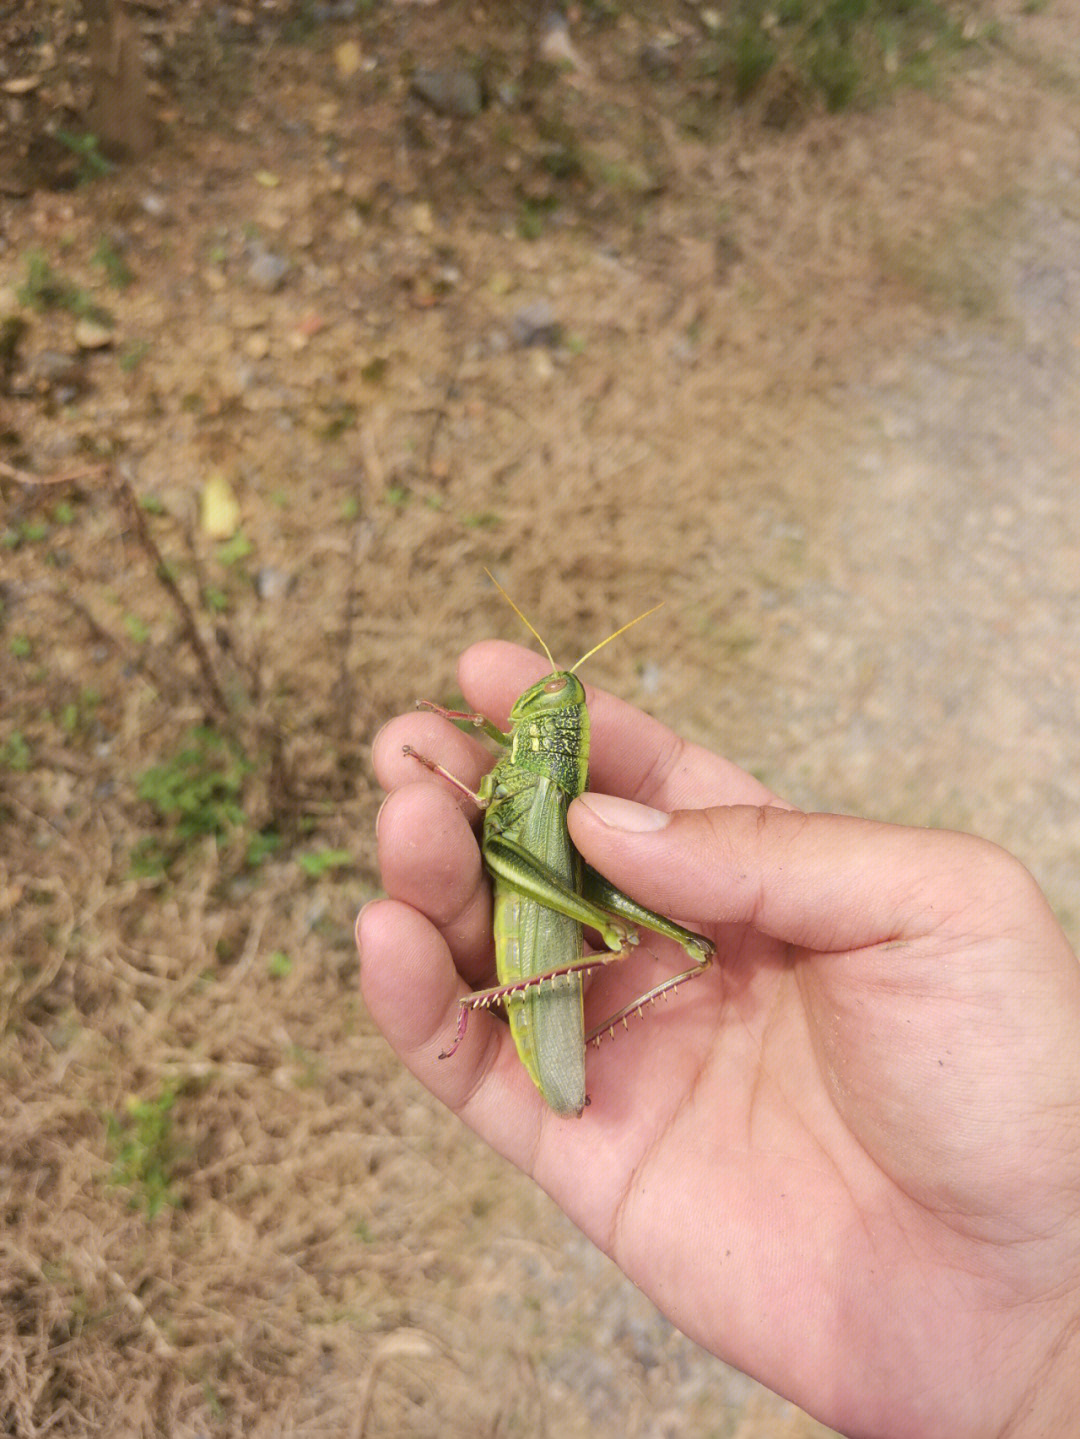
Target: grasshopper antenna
[(589, 653), (524, 621)]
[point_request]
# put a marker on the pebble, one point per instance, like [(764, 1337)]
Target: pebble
[(91, 335), (556, 46), (452, 91), (268, 270), (535, 324), (272, 583), (50, 368)]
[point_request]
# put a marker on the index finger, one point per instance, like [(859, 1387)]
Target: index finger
[(632, 754)]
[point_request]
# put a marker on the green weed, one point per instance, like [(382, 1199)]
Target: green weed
[(132, 356), (234, 551), (279, 965), (92, 163), (47, 289), (15, 753), (323, 860), (145, 1151), (842, 51), (534, 215), (195, 794), (116, 269)]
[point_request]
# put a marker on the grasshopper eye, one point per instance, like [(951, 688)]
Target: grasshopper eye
[(555, 685)]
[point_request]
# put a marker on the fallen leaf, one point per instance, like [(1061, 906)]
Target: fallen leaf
[(220, 508), (348, 58)]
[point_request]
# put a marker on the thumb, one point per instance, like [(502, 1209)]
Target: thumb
[(819, 881)]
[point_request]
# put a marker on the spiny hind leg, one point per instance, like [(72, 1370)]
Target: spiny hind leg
[(499, 993), (637, 1006)]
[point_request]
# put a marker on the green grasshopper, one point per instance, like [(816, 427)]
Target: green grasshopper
[(544, 892)]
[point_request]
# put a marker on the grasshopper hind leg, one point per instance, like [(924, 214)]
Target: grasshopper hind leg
[(637, 1006), (500, 993)]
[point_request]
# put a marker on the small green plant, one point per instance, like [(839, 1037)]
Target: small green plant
[(196, 793), (752, 56), (261, 847), (92, 163), (15, 753), (136, 629), (533, 216), (117, 270), (341, 416), (145, 1151), (232, 552), (323, 860), (132, 356), (374, 372), (279, 965), (47, 289), (844, 51)]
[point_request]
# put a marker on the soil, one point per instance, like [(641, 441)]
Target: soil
[(288, 385)]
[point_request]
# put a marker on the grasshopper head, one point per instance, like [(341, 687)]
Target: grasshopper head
[(559, 691)]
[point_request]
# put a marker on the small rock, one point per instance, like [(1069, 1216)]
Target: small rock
[(556, 46), (92, 335), (257, 346), (651, 677), (272, 583), (543, 366), (153, 205), (452, 91), (334, 10), (657, 59), (49, 369), (536, 324), (268, 270)]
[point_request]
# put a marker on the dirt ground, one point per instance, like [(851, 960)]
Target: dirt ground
[(271, 400)]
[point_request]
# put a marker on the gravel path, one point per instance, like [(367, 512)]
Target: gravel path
[(932, 677), (959, 540)]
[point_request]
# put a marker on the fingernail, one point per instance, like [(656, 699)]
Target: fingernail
[(356, 932), (624, 814), (378, 816)]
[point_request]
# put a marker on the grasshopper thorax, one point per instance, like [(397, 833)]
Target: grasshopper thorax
[(550, 724)]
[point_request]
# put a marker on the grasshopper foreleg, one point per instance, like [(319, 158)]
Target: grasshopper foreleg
[(478, 721), (481, 801)]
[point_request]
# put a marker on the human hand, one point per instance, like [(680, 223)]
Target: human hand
[(846, 1159)]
